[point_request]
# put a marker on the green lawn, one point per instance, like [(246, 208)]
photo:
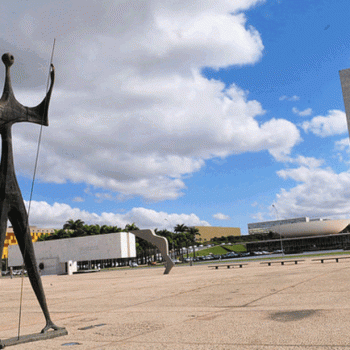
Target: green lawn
[(220, 250), (236, 248), (214, 250)]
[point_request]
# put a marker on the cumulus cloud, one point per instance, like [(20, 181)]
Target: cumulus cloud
[(342, 145), (220, 216), (130, 111), (334, 123), (54, 216), (342, 148), (258, 216), (309, 162), (305, 113), (320, 192)]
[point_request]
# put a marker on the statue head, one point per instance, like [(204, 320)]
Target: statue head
[(8, 59)]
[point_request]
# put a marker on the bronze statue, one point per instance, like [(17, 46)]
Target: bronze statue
[(11, 202)]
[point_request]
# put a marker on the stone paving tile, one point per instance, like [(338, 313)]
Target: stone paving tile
[(290, 307)]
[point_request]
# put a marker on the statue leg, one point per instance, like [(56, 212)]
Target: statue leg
[(3, 227), (19, 220)]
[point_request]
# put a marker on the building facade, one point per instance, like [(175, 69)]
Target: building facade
[(11, 239), (209, 232), (265, 226), (64, 255), (295, 245)]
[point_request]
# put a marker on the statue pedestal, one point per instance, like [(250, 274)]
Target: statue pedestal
[(33, 337)]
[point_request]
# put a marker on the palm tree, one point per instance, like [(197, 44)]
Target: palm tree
[(106, 229), (91, 230), (73, 224), (180, 228), (192, 232), (131, 227)]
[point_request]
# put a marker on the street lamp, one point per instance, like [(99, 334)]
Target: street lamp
[(277, 217)]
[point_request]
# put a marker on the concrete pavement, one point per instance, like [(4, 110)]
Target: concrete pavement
[(289, 307)]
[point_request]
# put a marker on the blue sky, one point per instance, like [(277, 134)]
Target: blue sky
[(166, 112)]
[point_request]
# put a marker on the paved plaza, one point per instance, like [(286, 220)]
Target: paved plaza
[(289, 307)]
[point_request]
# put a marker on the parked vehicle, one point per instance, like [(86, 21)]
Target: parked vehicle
[(230, 255), (244, 254)]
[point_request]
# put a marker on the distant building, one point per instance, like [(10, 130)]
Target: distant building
[(209, 232), (300, 227), (312, 228), (265, 226), (63, 255), (11, 239)]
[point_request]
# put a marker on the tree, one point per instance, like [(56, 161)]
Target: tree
[(110, 229), (131, 227), (90, 230), (73, 224), (165, 233), (192, 233), (180, 228)]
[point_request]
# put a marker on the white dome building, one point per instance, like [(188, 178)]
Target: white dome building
[(311, 228)]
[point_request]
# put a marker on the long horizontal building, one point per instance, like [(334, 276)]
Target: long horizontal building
[(302, 244), (301, 234), (63, 255), (265, 226)]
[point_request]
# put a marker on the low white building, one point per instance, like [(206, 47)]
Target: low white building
[(61, 256)]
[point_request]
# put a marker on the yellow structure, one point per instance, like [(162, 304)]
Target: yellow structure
[(11, 239), (209, 232)]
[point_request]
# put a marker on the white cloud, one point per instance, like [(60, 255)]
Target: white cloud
[(305, 113), (290, 99), (320, 192), (220, 216), (78, 199), (309, 162), (130, 112), (342, 145), (342, 148), (332, 124), (259, 216), (43, 214)]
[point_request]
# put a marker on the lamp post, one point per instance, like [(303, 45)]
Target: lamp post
[(277, 217)]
